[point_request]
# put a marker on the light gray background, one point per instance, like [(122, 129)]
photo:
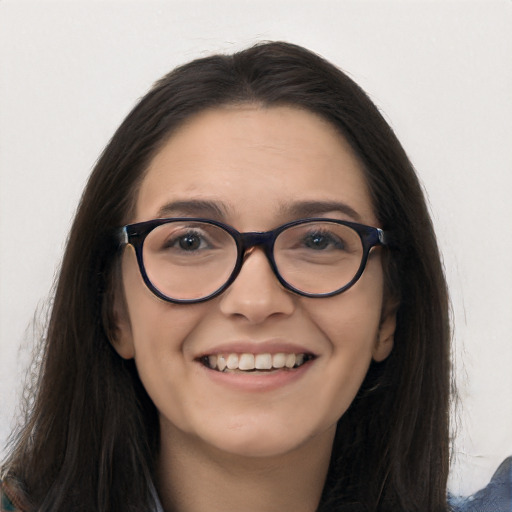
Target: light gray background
[(441, 71)]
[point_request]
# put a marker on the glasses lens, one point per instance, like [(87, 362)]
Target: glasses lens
[(318, 257), (189, 260)]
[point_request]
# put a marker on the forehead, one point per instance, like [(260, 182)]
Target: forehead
[(254, 161)]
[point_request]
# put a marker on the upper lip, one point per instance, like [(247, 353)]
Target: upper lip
[(256, 347)]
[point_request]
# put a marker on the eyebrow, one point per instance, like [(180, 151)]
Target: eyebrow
[(306, 209), (219, 210), (194, 208)]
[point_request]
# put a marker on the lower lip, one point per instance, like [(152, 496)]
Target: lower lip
[(257, 382)]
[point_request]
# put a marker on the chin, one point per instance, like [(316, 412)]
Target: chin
[(259, 448), (265, 442)]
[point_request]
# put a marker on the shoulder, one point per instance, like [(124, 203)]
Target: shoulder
[(8, 500), (495, 497)]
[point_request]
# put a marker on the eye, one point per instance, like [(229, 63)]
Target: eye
[(189, 242), (322, 240)]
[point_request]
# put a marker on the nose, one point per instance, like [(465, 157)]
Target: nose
[(256, 294)]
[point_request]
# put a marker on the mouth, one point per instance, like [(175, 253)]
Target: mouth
[(255, 363)]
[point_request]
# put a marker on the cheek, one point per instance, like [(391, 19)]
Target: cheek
[(350, 321), (157, 329), (151, 319), (350, 324), (159, 332)]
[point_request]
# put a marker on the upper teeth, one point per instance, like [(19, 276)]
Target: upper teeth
[(249, 362)]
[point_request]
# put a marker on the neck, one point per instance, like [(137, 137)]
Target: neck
[(193, 477)]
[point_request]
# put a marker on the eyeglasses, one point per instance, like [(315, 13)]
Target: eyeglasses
[(188, 260)]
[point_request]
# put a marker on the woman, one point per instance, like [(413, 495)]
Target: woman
[(288, 349)]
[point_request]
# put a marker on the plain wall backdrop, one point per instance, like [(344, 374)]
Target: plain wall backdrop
[(440, 71)]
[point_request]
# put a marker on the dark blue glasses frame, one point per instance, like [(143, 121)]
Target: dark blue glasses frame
[(135, 235)]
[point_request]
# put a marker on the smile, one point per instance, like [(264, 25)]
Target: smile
[(254, 362)]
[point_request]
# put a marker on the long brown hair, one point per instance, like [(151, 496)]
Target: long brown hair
[(91, 439)]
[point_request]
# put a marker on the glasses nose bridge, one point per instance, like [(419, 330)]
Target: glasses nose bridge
[(257, 239)]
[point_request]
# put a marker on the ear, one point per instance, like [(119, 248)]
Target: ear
[(116, 318), (122, 337), (386, 335)]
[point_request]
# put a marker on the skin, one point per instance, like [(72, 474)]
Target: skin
[(228, 448)]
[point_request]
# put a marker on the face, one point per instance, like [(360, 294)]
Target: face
[(255, 169)]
